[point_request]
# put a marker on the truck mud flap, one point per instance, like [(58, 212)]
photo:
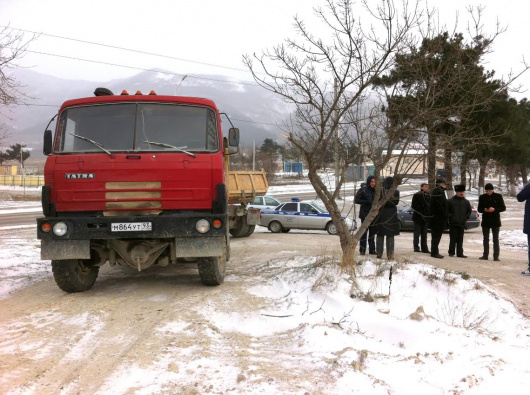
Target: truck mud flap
[(65, 249), (197, 247), (253, 216)]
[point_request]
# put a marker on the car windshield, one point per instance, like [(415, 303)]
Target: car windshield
[(137, 127)]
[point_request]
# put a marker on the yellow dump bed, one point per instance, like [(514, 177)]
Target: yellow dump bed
[(243, 186)]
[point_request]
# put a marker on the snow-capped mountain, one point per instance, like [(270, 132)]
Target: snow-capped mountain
[(252, 109)]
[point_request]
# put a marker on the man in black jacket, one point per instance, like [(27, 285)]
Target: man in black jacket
[(420, 212), (459, 211), (491, 204), (438, 217), (365, 197)]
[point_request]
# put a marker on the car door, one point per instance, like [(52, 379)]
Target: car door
[(270, 203), (310, 218), (258, 203), (289, 215)]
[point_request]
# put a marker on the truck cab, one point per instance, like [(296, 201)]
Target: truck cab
[(135, 180)]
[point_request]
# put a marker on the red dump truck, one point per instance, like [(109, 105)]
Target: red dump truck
[(141, 180)]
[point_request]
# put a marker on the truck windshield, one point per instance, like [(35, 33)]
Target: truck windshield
[(133, 126)]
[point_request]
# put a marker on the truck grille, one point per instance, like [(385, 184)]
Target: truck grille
[(133, 198)]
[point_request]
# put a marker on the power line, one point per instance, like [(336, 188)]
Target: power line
[(127, 49), (142, 69)]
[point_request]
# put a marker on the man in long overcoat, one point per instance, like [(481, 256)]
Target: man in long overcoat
[(490, 205), (420, 213), (438, 217), (522, 196), (459, 211)]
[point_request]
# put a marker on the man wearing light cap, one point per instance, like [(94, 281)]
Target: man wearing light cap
[(459, 210), (491, 204)]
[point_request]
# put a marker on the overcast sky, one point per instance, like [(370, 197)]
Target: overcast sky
[(204, 32)]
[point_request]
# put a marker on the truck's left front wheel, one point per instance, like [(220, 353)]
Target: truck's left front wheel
[(73, 275), (212, 270)]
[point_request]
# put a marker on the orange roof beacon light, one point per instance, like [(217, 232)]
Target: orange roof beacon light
[(124, 92), (152, 92), (138, 93)]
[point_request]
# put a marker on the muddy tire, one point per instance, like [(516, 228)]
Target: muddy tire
[(72, 275), (251, 229), (275, 227), (331, 228), (212, 270), (242, 229)]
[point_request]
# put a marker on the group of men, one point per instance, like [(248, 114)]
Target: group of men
[(434, 210)]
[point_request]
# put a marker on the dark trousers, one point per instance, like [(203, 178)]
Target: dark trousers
[(528, 245), (389, 246), (486, 241), (436, 237), (420, 233), (370, 234), (456, 240)]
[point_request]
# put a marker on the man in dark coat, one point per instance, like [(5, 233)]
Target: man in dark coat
[(365, 197), (438, 218), (387, 223), (420, 212), (522, 196), (491, 204), (459, 211)]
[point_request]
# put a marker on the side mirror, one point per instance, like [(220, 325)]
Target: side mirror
[(233, 137), (47, 145)]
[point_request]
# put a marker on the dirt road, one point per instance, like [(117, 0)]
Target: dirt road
[(52, 342)]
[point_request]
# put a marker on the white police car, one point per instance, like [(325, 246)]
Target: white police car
[(299, 215)]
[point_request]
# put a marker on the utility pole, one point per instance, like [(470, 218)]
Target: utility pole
[(254, 156), (22, 146)]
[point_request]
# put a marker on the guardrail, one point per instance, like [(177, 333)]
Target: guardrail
[(22, 181)]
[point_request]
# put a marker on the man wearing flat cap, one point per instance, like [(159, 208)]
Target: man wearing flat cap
[(491, 204), (459, 210)]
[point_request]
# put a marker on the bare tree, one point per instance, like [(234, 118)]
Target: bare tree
[(13, 46), (326, 80)]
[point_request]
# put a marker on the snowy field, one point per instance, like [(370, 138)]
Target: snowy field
[(410, 328)]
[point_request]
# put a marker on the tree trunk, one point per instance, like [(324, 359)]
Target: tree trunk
[(463, 169), (448, 166), (511, 180), (524, 174), (431, 159)]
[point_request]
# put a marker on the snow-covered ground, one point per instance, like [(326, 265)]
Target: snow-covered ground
[(410, 329)]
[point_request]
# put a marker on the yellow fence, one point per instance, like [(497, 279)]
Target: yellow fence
[(22, 181)]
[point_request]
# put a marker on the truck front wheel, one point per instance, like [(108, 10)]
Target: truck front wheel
[(212, 270), (73, 275)]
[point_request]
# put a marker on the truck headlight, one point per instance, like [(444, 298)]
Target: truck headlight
[(60, 228), (202, 226)]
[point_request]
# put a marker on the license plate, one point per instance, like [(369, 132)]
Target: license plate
[(131, 226)]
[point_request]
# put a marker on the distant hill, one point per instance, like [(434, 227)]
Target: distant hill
[(252, 109)]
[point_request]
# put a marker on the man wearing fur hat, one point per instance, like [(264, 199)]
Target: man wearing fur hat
[(438, 217), (491, 204), (459, 210)]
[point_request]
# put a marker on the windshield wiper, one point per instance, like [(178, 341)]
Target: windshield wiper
[(170, 146), (100, 146)]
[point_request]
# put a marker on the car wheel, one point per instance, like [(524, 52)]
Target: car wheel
[(285, 230), (275, 227), (73, 275), (331, 228)]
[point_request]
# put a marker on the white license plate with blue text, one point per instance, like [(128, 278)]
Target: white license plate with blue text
[(131, 226)]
